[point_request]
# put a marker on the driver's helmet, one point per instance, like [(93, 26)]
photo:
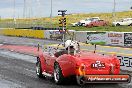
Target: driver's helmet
[(72, 44)]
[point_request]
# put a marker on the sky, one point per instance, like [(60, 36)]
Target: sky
[(42, 8)]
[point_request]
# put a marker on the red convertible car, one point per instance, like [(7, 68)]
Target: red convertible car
[(97, 23), (87, 67)]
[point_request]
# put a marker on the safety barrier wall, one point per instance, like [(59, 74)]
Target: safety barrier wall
[(115, 38), (24, 33), (125, 62), (81, 36), (96, 38), (101, 38), (90, 37), (57, 35), (53, 34), (119, 38), (105, 38), (1, 31), (45, 34)]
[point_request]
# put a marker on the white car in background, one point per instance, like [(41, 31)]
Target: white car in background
[(88, 20), (125, 21), (85, 22)]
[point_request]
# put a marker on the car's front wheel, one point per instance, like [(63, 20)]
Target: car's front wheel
[(58, 76), (39, 70)]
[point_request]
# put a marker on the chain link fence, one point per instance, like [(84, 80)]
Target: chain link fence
[(24, 24)]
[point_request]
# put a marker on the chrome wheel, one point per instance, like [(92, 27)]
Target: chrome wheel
[(80, 80), (38, 68), (58, 76)]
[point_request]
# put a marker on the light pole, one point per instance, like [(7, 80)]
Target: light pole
[(14, 9), (24, 8), (51, 12), (14, 19), (114, 7)]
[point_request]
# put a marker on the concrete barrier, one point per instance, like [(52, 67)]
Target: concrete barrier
[(81, 36), (96, 38), (115, 38), (101, 38), (57, 35), (24, 33), (53, 34)]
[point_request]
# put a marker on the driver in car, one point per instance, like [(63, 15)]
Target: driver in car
[(70, 47)]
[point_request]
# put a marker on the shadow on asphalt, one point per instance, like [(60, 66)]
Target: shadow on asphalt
[(71, 83)]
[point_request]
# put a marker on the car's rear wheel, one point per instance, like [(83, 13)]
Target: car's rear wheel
[(82, 24), (130, 24), (80, 80), (105, 24), (117, 24), (39, 70), (58, 76)]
